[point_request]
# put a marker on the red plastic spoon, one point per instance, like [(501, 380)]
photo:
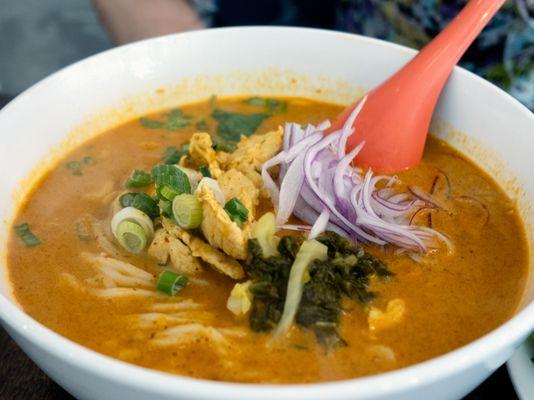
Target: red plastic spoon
[(396, 116)]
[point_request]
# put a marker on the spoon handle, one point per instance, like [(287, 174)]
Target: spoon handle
[(396, 117), (435, 61)]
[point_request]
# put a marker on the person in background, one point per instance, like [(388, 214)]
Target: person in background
[(503, 53)]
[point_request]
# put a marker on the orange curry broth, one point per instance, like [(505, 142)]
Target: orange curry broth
[(451, 299)]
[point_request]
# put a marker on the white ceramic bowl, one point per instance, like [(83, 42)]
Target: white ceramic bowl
[(122, 83)]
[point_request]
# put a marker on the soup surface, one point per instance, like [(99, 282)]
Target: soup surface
[(447, 297)]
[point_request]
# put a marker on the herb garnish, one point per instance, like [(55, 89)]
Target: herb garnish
[(231, 125), (205, 171), (173, 155), (174, 120), (29, 238), (272, 105), (170, 181), (88, 160), (202, 125), (236, 211), (223, 145), (76, 167), (345, 273), (138, 179), (142, 201)]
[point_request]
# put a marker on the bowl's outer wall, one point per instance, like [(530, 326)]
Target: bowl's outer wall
[(278, 61)]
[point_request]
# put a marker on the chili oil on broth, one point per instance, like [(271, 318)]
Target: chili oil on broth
[(451, 299)]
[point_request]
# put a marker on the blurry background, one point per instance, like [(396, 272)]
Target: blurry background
[(37, 37)]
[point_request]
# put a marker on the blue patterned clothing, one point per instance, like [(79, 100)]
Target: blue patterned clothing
[(502, 54)]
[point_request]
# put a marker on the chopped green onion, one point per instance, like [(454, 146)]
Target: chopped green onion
[(187, 211), (75, 167), (166, 208), (167, 192), (170, 181), (202, 125), (150, 123), (205, 171), (89, 160), (29, 238), (171, 282), (173, 155), (131, 236), (132, 228), (142, 201), (236, 211), (139, 179), (162, 168)]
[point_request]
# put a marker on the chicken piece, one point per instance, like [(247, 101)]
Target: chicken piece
[(182, 258), (199, 248), (251, 153), (256, 149), (393, 314), (159, 247), (202, 153), (165, 246), (220, 231), (234, 184)]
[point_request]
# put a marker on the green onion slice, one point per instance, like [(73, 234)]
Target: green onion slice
[(139, 179), (166, 208), (131, 236), (205, 171), (187, 211), (132, 228), (142, 202), (171, 282), (27, 236), (170, 181), (236, 211)]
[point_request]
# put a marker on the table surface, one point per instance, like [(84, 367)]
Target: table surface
[(21, 379)]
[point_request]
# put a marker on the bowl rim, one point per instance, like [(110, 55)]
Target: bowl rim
[(153, 381)]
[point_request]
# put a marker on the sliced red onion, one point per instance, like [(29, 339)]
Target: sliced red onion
[(320, 224), (318, 184), (348, 129), (290, 189), (293, 227), (427, 198)]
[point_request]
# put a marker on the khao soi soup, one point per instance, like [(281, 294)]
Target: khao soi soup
[(232, 240)]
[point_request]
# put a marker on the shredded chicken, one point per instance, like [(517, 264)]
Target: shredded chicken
[(201, 153), (159, 247), (251, 153), (182, 259), (165, 246), (199, 248), (234, 183), (220, 231)]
